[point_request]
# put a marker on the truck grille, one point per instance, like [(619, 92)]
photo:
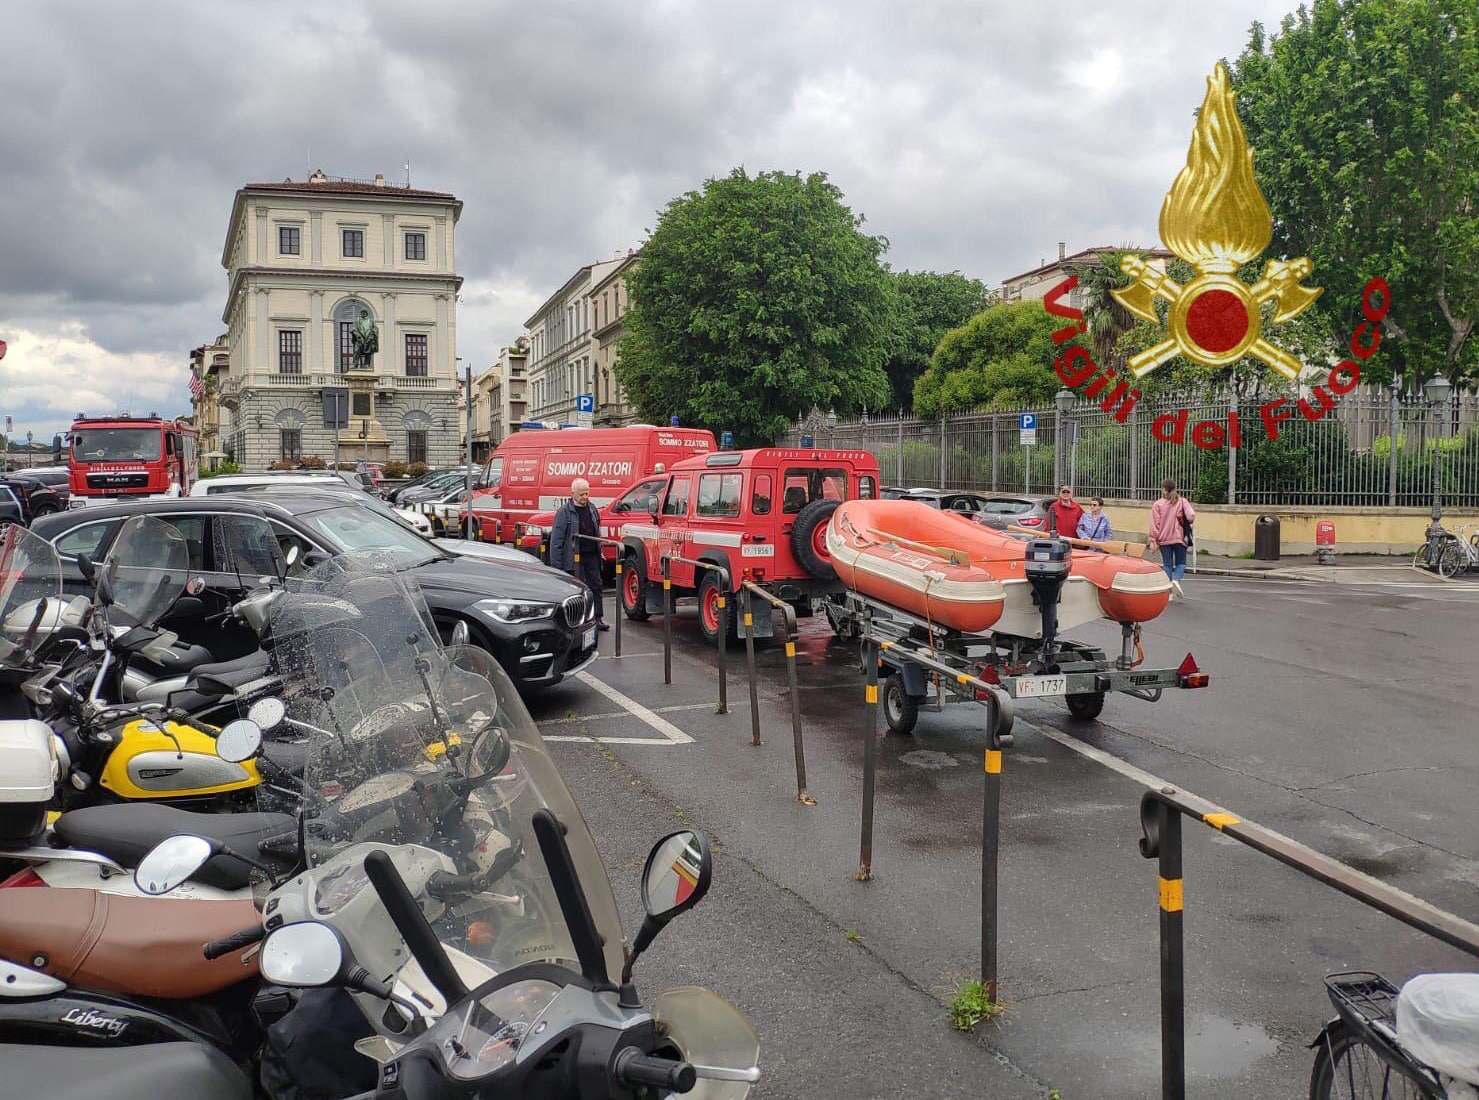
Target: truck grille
[(118, 481), (577, 609)]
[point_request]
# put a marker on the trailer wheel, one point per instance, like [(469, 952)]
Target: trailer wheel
[(1086, 706), (900, 709), (633, 590)]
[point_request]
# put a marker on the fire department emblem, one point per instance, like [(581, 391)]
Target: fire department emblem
[(1215, 218)]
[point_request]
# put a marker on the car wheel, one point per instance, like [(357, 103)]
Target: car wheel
[(709, 612), (809, 539), (633, 590), (45, 510)]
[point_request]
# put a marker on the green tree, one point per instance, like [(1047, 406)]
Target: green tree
[(1364, 118), (757, 298), (1002, 357), (929, 305)]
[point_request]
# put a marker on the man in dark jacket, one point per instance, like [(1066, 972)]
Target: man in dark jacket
[(578, 516)]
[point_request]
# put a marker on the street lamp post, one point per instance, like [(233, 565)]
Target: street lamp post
[(1063, 400), (1436, 390)]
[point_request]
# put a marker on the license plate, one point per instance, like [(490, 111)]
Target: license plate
[(1041, 685), (588, 639)]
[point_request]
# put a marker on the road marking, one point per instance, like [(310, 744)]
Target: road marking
[(1146, 779), (671, 734), (623, 714)]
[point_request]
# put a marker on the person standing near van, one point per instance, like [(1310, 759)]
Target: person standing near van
[(1171, 518), (578, 516), (1064, 514)]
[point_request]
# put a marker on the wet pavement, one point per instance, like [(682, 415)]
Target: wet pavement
[(1342, 717)]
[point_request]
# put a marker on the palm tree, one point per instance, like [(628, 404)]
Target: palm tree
[(1107, 321)]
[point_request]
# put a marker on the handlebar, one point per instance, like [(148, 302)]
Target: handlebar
[(636, 1069), (234, 942)]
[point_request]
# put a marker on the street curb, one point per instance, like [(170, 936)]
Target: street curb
[(1215, 571)]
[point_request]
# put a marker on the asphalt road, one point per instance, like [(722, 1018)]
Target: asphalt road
[(1339, 715)]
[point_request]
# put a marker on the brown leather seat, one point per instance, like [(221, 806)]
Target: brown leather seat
[(149, 947)]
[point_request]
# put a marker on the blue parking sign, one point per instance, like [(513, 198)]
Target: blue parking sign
[(1027, 421), (585, 403)]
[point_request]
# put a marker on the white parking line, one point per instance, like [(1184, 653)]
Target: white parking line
[(671, 734)]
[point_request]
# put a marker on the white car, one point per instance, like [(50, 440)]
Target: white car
[(327, 481)]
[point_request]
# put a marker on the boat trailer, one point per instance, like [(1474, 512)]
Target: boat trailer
[(918, 655)]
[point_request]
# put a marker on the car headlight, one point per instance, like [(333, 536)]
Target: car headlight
[(515, 611)]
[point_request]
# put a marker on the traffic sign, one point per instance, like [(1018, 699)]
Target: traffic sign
[(1027, 422), (585, 403)]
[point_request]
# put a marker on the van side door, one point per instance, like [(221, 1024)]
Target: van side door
[(672, 531)]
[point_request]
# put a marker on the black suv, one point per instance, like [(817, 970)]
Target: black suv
[(36, 498), (538, 622)]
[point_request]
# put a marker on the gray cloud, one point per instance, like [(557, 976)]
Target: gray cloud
[(974, 136)]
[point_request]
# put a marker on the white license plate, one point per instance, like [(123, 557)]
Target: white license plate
[(588, 639), (1041, 685)]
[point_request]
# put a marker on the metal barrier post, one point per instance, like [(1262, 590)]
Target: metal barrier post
[(749, 621), (990, 847), (1173, 977), (723, 641), (618, 612), (802, 795), (667, 622), (870, 752)]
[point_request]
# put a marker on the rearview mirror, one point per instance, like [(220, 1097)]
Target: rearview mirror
[(239, 741), (267, 713), (674, 880), (314, 558), (171, 862), (88, 570), (303, 955)]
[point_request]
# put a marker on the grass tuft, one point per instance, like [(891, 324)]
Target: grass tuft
[(970, 1006)]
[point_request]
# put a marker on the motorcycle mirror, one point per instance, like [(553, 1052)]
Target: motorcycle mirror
[(239, 741), (103, 585), (88, 570), (267, 713), (195, 586), (459, 634), (489, 756), (675, 880), (292, 554), (303, 955), (171, 862)]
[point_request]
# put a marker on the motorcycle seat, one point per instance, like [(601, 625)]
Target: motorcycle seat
[(286, 757), (124, 832), (224, 677), (122, 1073), (146, 947)]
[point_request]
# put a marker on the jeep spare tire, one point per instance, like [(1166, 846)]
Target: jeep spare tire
[(809, 539)]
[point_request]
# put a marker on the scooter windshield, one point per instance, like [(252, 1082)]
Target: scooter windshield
[(429, 754), (30, 574), (146, 569)]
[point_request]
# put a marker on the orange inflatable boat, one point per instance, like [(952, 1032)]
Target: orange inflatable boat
[(950, 570)]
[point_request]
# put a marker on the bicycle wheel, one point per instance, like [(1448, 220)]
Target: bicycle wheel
[(1347, 1068), (1453, 560)]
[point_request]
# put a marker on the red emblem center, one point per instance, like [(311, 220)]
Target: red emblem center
[(1217, 321)]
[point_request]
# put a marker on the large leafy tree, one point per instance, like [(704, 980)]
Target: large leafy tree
[(929, 305), (757, 298), (1002, 358), (1364, 118)]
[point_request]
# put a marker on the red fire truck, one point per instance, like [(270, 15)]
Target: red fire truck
[(130, 456)]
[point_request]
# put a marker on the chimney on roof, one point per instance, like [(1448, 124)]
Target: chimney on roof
[(379, 180), (1062, 250)]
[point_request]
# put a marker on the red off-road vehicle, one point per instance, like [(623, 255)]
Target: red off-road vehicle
[(761, 513)]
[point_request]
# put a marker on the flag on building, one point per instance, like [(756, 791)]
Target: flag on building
[(197, 387)]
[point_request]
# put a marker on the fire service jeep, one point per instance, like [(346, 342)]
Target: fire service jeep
[(762, 514)]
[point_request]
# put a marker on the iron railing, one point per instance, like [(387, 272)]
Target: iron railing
[(1345, 458)]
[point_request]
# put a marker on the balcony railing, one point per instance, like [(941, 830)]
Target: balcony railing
[(319, 379)]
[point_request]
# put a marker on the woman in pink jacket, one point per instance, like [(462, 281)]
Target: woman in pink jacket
[(1171, 518)]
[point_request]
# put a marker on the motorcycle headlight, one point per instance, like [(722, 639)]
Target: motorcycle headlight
[(515, 611)]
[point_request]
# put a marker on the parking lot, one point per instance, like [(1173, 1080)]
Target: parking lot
[(1336, 715)]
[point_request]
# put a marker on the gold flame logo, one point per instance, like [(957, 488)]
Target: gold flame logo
[(1215, 218)]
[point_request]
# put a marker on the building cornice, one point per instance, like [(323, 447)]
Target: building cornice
[(625, 266), (308, 278), (564, 291)]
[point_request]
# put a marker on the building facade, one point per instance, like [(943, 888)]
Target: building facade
[(308, 262), (211, 363), (1036, 283), (500, 399), (609, 304), (563, 346)]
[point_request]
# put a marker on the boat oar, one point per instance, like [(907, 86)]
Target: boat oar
[(954, 557), (1110, 547)]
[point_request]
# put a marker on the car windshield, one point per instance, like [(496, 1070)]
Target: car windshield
[(116, 444), (353, 528)]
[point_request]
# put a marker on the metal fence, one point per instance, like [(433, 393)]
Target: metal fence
[(1346, 456)]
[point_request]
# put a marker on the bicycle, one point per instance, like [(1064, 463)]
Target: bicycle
[(1358, 1055), (1460, 553)]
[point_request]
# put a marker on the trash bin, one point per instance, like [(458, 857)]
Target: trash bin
[(1266, 538), (1325, 542)]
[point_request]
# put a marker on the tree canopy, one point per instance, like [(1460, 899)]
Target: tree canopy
[(1001, 357), (1364, 119), (757, 298), (929, 304)]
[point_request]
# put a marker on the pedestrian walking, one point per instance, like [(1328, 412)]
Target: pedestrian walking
[(1094, 524), (1171, 518), (578, 516), (1064, 513)]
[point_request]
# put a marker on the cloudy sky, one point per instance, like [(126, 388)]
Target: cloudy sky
[(974, 135)]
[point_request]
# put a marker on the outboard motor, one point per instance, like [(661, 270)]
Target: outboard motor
[(1046, 565)]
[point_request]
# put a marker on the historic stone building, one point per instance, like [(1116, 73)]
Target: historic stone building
[(308, 262)]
